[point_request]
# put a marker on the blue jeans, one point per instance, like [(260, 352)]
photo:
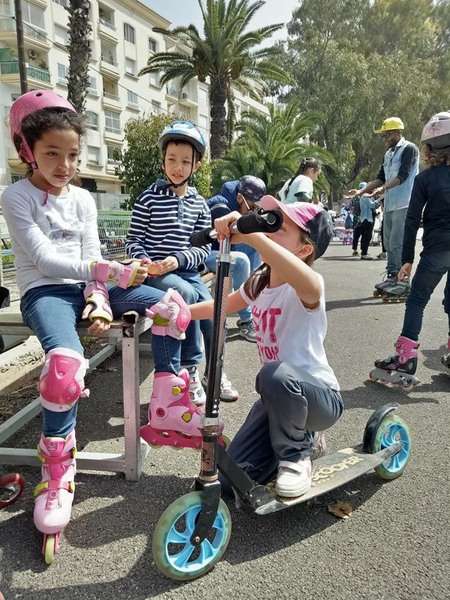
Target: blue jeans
[(253, 256), (190, 285), (53, 311), (240, 272), (393, 230), (429, 272)]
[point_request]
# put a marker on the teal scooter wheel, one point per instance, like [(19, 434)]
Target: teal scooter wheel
[(392, 430), (174, 554)]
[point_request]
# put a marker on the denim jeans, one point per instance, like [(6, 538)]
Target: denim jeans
[(240, 272), (53, 311), (429, 272), (254, 257), (393, 231), (190, 285), (281, 424)]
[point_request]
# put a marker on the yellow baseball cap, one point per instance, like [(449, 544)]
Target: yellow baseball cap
[(390, 124)]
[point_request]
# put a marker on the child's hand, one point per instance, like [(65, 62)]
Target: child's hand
[(167, 265), (98, 327), (222, 225), (141, 274)]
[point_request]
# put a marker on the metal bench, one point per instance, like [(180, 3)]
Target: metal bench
[(123, 334)]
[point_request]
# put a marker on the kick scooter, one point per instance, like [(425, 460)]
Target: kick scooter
[(11, 487), (192, 534)]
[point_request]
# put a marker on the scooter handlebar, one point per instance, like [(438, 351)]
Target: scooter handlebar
[(267, 221)]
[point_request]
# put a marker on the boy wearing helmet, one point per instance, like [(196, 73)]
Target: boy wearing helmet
[(164, 218), (394, 181), (241, 196), (431, 201)]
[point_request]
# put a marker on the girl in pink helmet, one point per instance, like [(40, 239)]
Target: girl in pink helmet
[(62, 279), (430, 203)]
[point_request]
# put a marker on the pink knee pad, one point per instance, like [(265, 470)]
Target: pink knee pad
[(171, 315), (62, 379)]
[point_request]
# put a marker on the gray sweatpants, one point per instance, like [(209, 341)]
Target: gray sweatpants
[(281, 424)]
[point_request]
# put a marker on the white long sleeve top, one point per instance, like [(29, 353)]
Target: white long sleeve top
[(54, 238)]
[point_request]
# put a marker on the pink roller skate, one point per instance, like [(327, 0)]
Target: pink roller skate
[(398, 370), (54, 495), (173, 419)]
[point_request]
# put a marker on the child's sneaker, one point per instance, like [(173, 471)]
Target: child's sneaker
[(294, 478), (247, 330), (196, 392), (227, 392), (355, 253)]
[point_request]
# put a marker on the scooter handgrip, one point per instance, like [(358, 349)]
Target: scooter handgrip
[(267, 221), (201, 238)]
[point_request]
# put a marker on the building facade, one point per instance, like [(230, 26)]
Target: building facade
[(122, 40)]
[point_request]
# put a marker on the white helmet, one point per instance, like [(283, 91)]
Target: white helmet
[(436, 132)]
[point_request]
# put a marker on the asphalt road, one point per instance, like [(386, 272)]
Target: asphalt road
[(395, 546)]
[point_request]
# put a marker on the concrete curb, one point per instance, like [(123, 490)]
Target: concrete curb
[(20, 364)]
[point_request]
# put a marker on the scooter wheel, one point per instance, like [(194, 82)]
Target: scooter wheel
[(11, 487), (174, 554), (392, 430)]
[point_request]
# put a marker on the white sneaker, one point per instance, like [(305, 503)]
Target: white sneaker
[(294, 478), (227, 392), (196, 392)]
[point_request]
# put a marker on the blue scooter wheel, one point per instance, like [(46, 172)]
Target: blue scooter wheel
[(392, 430), (174, 554)]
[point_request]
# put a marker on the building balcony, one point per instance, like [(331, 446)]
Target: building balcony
[(110, 100), (31, 34), (37, 77), (109, 67), (175, 94), (113, 135), (107, 30)]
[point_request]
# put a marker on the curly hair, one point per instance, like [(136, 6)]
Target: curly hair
[(41, 121), (435, 157)]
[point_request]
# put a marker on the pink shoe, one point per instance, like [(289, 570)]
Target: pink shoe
[(173, 419), (54, 495)]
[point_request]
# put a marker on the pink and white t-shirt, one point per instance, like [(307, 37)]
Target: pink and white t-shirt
[(286, 331)]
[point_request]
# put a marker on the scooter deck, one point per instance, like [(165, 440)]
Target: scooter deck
[(329, 472)]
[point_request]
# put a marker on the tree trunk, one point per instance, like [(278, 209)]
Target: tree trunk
[(218, 133), (79, 53)]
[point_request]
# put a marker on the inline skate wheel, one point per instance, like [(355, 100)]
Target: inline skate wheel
[(50, 547)]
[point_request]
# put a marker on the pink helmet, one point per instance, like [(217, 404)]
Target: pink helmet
[(24, 106), (436, 132)]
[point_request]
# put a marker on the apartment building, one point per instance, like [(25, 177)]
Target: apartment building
[(122, 39)]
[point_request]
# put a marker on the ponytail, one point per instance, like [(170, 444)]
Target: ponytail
[(305, 164)]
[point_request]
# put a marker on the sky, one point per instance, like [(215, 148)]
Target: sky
[(185, 12)]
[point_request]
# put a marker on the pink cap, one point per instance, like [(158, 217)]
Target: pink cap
[(309, 217)]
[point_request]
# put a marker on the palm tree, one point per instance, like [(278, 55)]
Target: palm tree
[(225, 55), (271, 147), (79, 52)]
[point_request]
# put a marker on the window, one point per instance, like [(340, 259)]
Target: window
[(130, 66), (33, 14), (92, 88), (128, 33), (156, 107), (91, 119), (61, 35), (112, 121), (152, 45), (132, 98), (154, 79), (113, 154), (5, 8), (62, 74), (93, 155)]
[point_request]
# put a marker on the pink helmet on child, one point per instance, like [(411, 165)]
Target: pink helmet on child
[(24, 106), (436, 132)]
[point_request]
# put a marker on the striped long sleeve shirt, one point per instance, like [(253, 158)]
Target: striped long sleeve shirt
[(162, 223)]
